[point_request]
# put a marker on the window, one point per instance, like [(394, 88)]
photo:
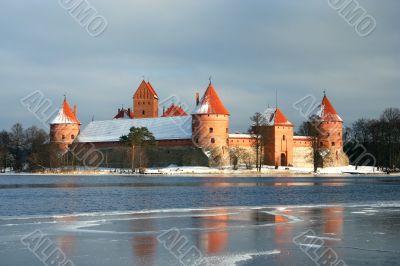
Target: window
[(63, 136), (284, 137), (197, 140), (212, 140), (338, 134), (333, 143), (72, 136), (211, 130), (143, 112), (321, 143), (227, 130)]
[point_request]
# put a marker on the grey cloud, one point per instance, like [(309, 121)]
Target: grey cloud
[(250, 48)]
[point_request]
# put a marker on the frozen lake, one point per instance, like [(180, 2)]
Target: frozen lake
[(115, 220)]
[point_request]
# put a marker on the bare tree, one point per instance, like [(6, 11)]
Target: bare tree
[(257, 131)]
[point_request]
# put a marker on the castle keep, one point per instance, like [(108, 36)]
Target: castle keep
[(189, 138)]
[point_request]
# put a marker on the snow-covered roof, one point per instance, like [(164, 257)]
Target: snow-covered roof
[(240, 136), (163, 128), (65, 115)]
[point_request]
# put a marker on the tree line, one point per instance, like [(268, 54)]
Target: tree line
[(23, 149), (379, 136)]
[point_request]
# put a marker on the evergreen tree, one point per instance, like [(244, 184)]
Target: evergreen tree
[(138, 137)]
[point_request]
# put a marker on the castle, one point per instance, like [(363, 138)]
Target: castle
[(186, 138)]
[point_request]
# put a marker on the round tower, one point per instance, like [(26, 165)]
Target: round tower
[(65, 127), (330, 135), (210, 124), (330, 127)]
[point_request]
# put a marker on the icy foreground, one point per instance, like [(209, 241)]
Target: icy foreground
[(355, 234), (199, 220)]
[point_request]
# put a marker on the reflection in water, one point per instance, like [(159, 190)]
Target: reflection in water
[(66, 242), (215, 241), (332, 221), (144, 246)]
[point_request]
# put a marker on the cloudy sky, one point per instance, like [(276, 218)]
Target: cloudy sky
[(250, 48)]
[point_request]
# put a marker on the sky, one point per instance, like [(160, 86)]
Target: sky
[(250, 49)]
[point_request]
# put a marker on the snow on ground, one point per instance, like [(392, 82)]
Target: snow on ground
[(201, 170), (174, 170)]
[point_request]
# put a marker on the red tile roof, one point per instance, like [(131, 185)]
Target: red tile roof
[(148, 86), (328, 112), (274, 116), (211, 103), (280, 118), (66, 115), (174, 110), (124, 114)]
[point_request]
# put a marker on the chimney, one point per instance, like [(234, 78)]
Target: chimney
[(75, 109), (197, 98)]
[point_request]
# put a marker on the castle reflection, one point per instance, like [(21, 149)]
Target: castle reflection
[(215, 239), (144, 246)]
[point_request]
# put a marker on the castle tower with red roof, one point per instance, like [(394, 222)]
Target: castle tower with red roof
[(278, 148), (330, 133), (65, 127), (145, 101), (210, 124)]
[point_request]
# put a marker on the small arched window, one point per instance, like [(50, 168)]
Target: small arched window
[(212, 140)]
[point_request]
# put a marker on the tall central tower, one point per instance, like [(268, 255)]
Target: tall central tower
[(145, 101)]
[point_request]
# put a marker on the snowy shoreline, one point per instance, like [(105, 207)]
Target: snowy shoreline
[(267, 171)]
